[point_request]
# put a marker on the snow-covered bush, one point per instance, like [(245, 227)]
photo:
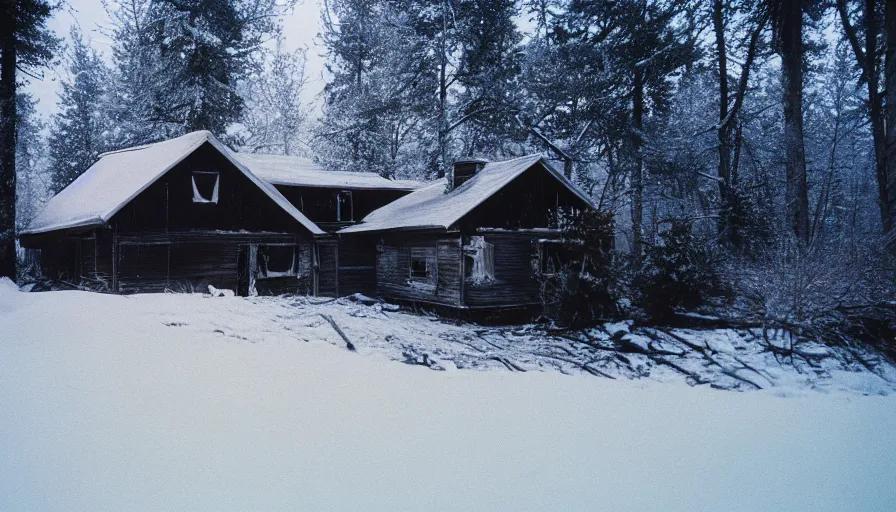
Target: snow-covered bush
[(586, 286), (794, 285), (676, 273)]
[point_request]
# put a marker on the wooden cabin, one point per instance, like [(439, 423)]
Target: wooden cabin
[(177, 215), (333, 200), (187, 213), (478, 242)]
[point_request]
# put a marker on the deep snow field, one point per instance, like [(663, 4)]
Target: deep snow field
[(186, 402)]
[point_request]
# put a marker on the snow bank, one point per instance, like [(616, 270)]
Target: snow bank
[(177, 402)]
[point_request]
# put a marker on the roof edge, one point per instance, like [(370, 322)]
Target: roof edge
[(80, 223), (266, 187)]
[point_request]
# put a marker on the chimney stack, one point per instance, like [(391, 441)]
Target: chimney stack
[(464, 169)]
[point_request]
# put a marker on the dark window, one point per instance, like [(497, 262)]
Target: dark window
[(344, 206), (419, 268), (205, 187), (276, 260), (551, 257)]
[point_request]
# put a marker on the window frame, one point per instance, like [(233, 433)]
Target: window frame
[(261, 266), (428, 255), (351, 206), (198, 198), (543, 260)]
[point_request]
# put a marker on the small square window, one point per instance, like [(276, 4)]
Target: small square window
[(205, 187), (419, 268)]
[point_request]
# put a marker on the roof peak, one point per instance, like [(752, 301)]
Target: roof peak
[(197, 134)]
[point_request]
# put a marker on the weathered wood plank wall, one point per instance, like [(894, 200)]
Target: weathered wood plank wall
[(443, 253)]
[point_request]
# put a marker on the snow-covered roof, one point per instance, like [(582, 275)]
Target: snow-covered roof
[(302, 172), (119, 176), (432, 208)]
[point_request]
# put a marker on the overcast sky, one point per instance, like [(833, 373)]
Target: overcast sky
[(300, 28)]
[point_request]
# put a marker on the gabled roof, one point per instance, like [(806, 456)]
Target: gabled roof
[(302, 172), (119, 176), (432, 208)]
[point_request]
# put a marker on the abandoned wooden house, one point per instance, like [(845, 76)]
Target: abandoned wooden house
[(332, 200), (176, 215), (187, 213), (482, 244)]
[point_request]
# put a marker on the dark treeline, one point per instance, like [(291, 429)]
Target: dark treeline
[(759, 125)]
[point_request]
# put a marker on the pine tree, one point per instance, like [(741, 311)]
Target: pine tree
[(79, 131), (489, 66), (138, 89), (377, 100), (25, 42), (179, 62), (638, 44), (31, 182)]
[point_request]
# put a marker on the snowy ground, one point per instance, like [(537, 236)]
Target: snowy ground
[(182, 402)]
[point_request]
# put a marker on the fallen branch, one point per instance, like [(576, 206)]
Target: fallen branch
[(584, 366), (687, 373), (510, 366), (705, 351), (348, 342)]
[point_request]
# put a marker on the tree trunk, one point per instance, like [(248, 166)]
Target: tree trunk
[(724, 131), (8, 152), (867, 61), (890, 77), (796, 195), (443, 99), (638, 169)]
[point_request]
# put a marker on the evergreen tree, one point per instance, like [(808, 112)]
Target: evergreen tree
[(25, 42), (31, 182), (80, 130), (638, 43), (138, 88), (179, 63), (377, 99)]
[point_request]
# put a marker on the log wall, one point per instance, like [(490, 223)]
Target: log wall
[(443, 253)]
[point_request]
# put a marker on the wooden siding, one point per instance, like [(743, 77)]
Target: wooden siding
[(529, 201), (185, 262), (515, 282), (83, 259), (357, 265), (167, 204), (443, 253), (328, 270), (319, 203)]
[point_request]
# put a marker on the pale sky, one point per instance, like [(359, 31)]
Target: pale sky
[(300, 28)]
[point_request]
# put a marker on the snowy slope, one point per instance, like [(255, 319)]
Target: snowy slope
[(180, 402)]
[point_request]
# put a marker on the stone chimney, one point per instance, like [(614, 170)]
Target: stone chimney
[(464, 169)]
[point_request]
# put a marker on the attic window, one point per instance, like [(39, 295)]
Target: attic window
[(205, 187), (276, 261), (344, 205), (479, 263)]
